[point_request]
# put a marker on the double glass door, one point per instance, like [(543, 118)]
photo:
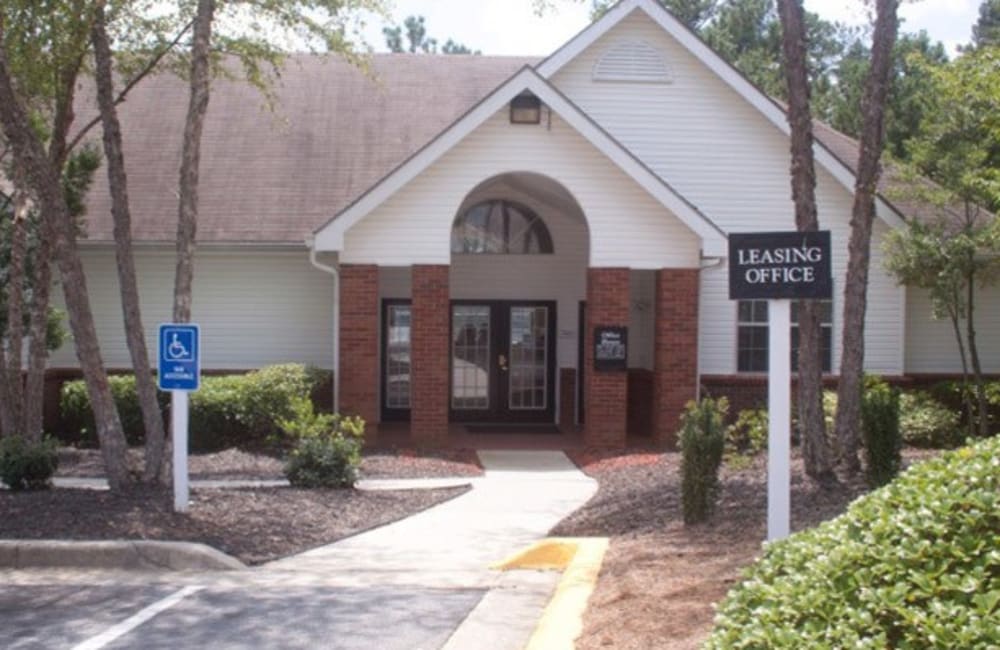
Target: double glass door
[(502, 361)]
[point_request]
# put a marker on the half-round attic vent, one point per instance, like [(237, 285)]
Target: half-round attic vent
[(635, 61)]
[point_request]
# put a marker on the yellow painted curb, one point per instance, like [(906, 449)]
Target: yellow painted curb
[(552, 554), (562, 621)]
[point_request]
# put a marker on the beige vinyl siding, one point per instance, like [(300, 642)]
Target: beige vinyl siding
[(627, 227), (930, 343), (254, 307), (725, 157)]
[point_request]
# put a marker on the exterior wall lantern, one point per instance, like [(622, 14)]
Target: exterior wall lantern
[(526, 108)]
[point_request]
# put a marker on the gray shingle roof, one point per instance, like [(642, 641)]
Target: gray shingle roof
[(274, 177)]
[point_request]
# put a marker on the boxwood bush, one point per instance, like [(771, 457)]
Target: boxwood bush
[(746, 437), (27, 465), (228, 410), (926, 422), (915, 564), (327, 448)]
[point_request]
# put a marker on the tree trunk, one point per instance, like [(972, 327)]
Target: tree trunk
[(8, 426), (34, 391), (873, 109), (815, 450), (152, 418), (977, 368), (15, 305), (42, 178), (966, 399), (187, 217)]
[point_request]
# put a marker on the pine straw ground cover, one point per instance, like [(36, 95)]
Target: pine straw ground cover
[(661, 579), (254, 525)]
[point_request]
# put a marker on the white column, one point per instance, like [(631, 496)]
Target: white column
[(779, 408), (179, 422)]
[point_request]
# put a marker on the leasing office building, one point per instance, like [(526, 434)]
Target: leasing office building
[(454, 236)]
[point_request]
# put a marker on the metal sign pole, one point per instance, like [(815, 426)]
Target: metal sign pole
[(179, 421), (779, 409)]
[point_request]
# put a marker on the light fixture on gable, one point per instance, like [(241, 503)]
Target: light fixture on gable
[(526, 108)]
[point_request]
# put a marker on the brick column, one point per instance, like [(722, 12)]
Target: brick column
[(605, 393), (429, 352), (675, 353), (358, 340)]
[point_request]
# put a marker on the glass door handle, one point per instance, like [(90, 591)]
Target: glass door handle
[(502, 362)]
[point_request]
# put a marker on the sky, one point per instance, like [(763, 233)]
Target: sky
[(511, 26)]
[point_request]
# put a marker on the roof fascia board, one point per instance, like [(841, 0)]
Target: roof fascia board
[(730, 75), (331, 235)]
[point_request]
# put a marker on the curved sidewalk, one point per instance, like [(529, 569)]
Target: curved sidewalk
[(522, 495)]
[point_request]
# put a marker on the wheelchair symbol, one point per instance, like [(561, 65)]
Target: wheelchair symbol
[(176, 350)]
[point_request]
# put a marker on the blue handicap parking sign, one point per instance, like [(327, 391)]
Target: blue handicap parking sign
[(179, 366)]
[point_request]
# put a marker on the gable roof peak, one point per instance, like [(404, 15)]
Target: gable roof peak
[(693, 43)]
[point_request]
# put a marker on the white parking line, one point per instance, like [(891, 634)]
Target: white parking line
[(137, 619)]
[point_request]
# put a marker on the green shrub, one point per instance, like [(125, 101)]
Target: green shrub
[(327, 451), (746, 437), (267, 396), (880, 427), (702, 440), (926, 422), (214, 416), (78, 418), (27, 466), (915, 564), (230, 410), (950, 394)]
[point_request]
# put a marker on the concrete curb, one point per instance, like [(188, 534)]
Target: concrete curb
[(130, 555), (562, 621)]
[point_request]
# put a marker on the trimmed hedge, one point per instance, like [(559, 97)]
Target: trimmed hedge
[(229, 410), (78, 424), (915, 564)]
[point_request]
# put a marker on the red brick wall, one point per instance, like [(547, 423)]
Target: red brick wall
[(675, 352), (359, 319), (430, 343), (567, 399), (605, 393)]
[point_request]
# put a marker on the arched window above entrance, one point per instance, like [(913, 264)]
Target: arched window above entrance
[(500, 227)]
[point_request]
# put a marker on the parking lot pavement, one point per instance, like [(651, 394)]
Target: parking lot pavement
[(163, 616)]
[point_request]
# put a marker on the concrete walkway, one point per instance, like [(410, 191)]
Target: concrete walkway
[(521, 497), (452, 546), (422, 582)]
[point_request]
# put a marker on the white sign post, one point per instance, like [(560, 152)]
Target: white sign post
[(779, 267), (779, 409), (179, 426), (179, 371)]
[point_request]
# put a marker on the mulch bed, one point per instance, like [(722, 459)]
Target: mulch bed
[(255, 526), (660, 578), (235, 464)]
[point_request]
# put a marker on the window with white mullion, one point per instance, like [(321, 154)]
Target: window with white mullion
[(752, 335)]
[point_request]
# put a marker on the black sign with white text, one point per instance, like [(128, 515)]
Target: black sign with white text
[(610, 348), (780, 265)]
